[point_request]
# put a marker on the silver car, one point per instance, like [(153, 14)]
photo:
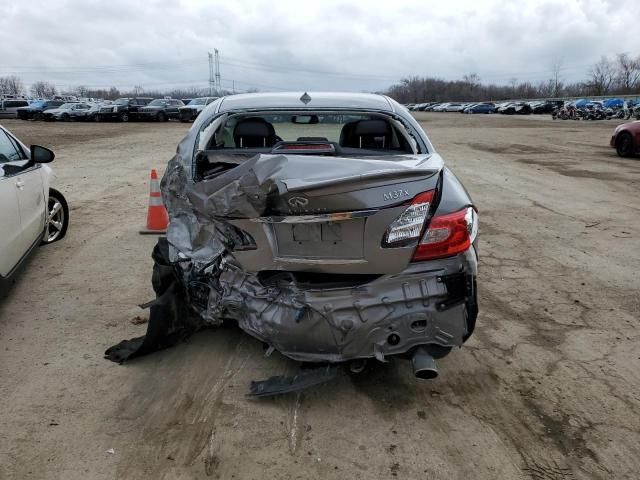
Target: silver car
[(9, 107), (190, 111), (67, 112), (325, 224)]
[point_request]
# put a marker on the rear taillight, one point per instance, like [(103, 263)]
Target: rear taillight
[(408, 226), (448, 235)]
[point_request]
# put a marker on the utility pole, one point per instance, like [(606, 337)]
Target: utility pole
[(211, 73), (218, 87)]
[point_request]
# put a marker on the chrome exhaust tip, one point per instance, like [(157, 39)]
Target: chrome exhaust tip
[(424, 365)]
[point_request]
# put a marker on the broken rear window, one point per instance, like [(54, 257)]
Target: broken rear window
[(229, 141), (344, 131)]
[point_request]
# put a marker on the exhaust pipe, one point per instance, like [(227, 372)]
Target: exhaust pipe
[(424, 365)]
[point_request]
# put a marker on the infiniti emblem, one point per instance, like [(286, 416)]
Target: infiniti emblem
[(298, 202)]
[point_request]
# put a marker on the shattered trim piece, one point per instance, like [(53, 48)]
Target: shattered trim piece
[(278, 385)]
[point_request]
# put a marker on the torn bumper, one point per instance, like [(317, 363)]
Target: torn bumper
[(428, 303)]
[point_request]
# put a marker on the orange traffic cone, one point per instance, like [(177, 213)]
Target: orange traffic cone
[(157, 217)]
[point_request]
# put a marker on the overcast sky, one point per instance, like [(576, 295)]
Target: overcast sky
[(295, 45)]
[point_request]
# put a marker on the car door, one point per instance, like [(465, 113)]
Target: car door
[(79, 110), (28, 183), (12, 245)]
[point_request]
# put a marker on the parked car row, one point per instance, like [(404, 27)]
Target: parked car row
[(597, 110), (604, 109), (122, 109)]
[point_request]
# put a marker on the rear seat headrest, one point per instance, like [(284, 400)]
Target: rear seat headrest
[(375, 133), (252, 127), (254, 132), (374, 128)]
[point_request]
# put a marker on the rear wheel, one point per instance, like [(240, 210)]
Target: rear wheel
[(624, 144), (57, 217), (124, 117), (161, 117), (38, 116), (65, 117), (98, 118)]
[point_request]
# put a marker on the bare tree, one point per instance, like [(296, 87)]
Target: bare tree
[(43, 89), (601, 76), (473, 79), (628, 72), (113, 93), (11, 85), (81, 91), (556, 81)]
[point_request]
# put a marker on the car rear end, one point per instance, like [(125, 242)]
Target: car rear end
[(109, 112), (343, 242)]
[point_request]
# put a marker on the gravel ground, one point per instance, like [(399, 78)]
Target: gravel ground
[(547, 388)]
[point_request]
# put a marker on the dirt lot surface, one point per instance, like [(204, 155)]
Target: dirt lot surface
[(547, 388)]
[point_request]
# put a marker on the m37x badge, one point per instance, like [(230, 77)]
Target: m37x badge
[(298, 202), (396, 194)]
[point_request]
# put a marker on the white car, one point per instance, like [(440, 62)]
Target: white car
[(453, 107), (31, 212)]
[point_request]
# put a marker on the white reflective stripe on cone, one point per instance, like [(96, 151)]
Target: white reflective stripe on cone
[(155, 185), (155, 202)]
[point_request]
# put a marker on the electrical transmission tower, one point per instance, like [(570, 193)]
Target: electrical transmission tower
[(218, 86), (211, 81)]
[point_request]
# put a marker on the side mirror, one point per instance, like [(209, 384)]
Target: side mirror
[(41, 154)]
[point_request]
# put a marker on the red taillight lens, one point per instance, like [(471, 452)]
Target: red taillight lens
[(408, 226), (447, 235)]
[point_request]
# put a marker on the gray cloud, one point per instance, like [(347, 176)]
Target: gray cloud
[(330, 45)]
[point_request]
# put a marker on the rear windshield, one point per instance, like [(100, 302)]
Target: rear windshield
[(352, 133)]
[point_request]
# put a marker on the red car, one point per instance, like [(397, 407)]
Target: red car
[(626, 139)]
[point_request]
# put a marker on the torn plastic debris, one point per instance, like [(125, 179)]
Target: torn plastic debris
[(169, 319), (278, 385)]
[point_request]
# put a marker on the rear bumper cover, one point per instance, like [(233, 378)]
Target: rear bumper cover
[(429, 303)]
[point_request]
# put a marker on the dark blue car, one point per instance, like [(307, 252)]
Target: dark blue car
[(36, 109), (481, 108)]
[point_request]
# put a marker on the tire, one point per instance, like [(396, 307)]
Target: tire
[(65, 117), (161, 117), (97, 118), (124, 117), (624, 145), (38, 116), (57, 217)]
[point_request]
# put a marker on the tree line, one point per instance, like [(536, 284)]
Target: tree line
[(617, 76), (12, 85)]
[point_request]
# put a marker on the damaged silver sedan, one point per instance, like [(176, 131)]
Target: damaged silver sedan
[(325, 225)]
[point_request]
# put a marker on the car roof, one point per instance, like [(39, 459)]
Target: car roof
[(279, 100)]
